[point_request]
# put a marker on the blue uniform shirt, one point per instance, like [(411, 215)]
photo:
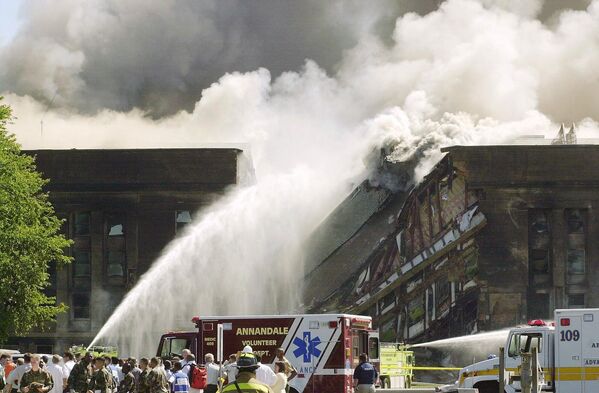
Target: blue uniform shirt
[(365, 373)]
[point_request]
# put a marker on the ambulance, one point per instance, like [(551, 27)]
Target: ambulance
[(324, 348), (568, 355)]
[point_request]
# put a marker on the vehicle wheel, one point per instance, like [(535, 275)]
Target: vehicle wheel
[(487, 387), (384, 382)]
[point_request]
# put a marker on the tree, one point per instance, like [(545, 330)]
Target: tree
[(29, 240)]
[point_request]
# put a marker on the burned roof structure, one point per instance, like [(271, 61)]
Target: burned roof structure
[(491, 237)]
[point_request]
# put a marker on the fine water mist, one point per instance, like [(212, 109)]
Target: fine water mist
[(463, 350), (240, 257), (495, 339), (469, 72)]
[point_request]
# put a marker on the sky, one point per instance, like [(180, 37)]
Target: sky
[(9, 21)]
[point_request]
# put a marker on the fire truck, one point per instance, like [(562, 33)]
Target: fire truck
[(324, 348), (568, 355)]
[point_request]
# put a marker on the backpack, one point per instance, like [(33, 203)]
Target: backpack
[(198, 377)]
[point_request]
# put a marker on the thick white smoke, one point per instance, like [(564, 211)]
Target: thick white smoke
[(468, 73)]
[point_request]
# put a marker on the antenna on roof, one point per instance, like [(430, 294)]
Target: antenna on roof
[(571, 135), (560, 139), (563, 138)]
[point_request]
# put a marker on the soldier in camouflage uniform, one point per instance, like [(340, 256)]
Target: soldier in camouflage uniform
[(143, 384), (36, 380), (157, 378), (80, 375), (101, 381), (127, 385)]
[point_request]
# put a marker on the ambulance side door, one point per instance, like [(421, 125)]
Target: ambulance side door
[(568, 354), (590, 350)]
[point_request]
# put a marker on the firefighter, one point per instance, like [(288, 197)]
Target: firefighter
[(246, 381)]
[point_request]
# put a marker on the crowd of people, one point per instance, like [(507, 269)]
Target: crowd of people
[(242, 372)]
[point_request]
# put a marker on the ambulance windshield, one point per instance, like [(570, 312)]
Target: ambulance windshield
[(524, 342), (174, 346)]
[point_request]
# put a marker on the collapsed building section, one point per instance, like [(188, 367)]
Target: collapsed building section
[(491, 237)]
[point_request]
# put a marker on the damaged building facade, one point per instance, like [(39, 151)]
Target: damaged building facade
[(491, 237), (120, 208)]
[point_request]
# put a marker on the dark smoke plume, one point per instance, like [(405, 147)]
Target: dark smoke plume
[(158, 55)]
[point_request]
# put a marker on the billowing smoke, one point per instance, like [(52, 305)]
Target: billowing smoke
[(468, 72), (158, 55)]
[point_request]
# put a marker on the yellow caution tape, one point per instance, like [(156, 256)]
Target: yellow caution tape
[(430, 368)]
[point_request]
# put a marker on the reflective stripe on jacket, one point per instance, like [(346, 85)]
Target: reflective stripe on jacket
[(246, 387)]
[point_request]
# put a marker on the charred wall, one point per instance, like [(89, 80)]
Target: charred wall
[(493, 236), (121, 208)]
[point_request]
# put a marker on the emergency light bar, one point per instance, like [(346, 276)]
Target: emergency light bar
[(360, 322), (537, 322)]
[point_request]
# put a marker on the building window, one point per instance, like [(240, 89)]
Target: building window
[(576, 261), (430, 305), (116, 263), (45, 349), (115, 247), (539, 263), (182, 218), (387, 303), (443, 291), (416, 310), (576, 256), (82, 223), (576, 300), (81, 264), (575, 221), (80, 305)]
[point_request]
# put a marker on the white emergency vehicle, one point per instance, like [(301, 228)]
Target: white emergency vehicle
[(568, 355)]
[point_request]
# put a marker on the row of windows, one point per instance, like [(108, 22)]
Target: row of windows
[(114, 251), (541, 238)]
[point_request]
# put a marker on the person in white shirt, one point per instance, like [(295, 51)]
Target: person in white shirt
[(115, 369), (281, 381), (69, 363), (230, 368), (212, 374), (264, 373), (22, 369), (185, 354), (57, 372)]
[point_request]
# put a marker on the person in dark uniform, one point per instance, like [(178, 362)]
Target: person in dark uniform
[(365, 376)]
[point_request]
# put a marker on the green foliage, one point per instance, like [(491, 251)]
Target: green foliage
[(96, 351), (29, 240)]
